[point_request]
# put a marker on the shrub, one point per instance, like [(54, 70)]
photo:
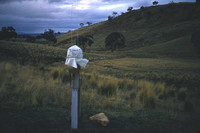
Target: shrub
[(107, 87)]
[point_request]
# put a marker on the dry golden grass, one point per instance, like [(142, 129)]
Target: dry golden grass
[(32, 86)]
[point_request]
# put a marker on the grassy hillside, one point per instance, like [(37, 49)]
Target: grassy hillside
[(166, 26)]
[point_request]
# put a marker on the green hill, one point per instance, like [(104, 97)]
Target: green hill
[(164, 30)]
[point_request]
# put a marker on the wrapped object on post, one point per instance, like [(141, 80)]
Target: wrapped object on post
[(75, 57)]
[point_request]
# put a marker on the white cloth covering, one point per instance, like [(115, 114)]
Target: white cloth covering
[(75, 57)]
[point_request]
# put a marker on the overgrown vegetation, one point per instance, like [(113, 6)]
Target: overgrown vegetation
[(7, 32)]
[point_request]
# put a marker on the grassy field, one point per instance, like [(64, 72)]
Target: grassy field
[(136, 94), (152, 85)]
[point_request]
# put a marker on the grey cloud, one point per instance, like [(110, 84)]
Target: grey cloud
[(140, 3), (60, 1), (110, 0), (8, 1), (30, 10), (50, 1)]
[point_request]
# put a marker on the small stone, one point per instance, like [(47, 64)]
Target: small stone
[(100, 118)]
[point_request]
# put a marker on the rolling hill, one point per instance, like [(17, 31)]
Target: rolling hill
[(163, 30)]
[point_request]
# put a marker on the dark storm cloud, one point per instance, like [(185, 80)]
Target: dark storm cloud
[(28, 10), (50, 1), (7, 1)]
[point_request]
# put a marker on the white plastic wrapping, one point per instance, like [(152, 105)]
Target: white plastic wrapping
[(75, 57)]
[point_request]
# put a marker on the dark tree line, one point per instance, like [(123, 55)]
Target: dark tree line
[(7, 32), (49, 36)]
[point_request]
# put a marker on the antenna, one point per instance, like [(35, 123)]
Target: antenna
[(75, 35)]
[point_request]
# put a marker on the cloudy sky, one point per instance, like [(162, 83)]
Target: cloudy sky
[(34, 16)]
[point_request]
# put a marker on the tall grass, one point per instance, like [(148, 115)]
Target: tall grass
[(27, 86)]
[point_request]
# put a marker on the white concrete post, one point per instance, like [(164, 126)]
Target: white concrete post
[(75, 100)]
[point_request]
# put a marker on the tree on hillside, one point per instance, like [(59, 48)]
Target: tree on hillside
[(49, 36), (7, 32), (142, 8), (114, 14), (84, 41), (89, 23), (114, 41), (155, 3), (130, 9), (81, 24), (109, 18), (198, 1), (10, 29)]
